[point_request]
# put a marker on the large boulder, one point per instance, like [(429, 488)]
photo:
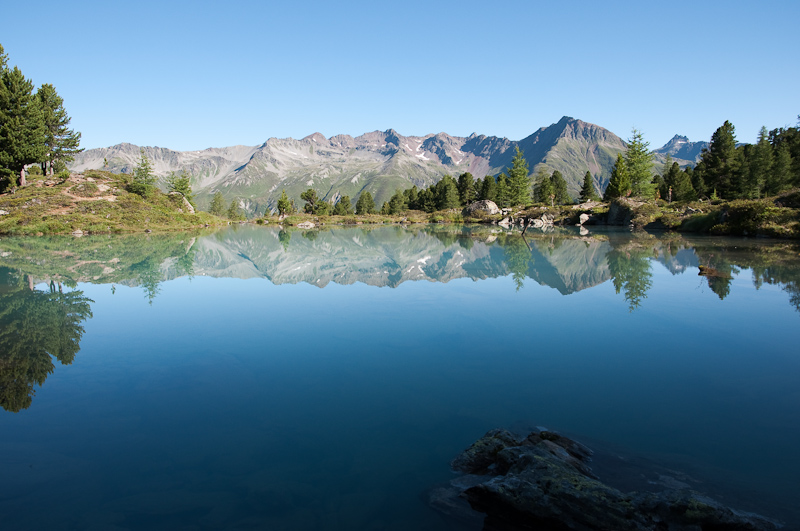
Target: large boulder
[(543, 481), (489, 207)]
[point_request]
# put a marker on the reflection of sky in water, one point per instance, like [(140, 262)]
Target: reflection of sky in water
[(241, 402)]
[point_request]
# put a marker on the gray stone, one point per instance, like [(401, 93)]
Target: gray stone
[(306, 225), (485, 205), (583, 218), (543, 481)]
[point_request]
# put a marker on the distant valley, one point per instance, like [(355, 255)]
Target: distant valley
[(379, 162)]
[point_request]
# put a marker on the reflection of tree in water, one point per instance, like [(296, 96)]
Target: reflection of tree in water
[(517, 257), (285, 237), (631, 274), (148, 273), (35, 326)]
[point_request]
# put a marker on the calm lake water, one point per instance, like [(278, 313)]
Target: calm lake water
[(265, 379)]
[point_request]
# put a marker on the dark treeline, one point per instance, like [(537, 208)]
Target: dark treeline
[(34, 128), (725, 170)]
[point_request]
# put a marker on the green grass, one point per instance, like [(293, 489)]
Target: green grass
[(36, 210)]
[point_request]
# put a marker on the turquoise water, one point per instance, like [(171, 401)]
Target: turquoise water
[(258, 378)]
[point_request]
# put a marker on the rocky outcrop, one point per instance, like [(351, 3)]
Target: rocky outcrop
[(486, 206), (543, 481)]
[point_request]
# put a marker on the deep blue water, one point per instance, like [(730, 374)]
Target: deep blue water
[(236, 393)]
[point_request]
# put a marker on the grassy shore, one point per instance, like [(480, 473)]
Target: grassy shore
[(97, 202)]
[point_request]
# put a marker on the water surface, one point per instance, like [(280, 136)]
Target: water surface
[(287, 379)]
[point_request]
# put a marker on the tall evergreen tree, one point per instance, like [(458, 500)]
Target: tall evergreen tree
[(466, 188), (234, 212), (343, 207), (519, 183), (447, 193), (560, 193), (217, 205), (182, 184), (488, 190), (619, 185), (61, 142), (758, 168), (22, 129), (502, 193), (720, 162), (780, 176), (365, 204), (588, 192), (639, 164), (543, 187), (284, 204)]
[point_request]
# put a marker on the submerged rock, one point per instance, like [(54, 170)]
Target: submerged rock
[(543, 481)]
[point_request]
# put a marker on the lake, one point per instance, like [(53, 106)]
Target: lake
[(324, 379)]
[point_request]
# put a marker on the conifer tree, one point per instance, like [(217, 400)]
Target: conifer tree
[(488, 188), (588, 192), (519, 184), (560, 193), (720, 162), (182, 184), (217, 205), (343, 207), (619, 185), (283, 204), (22, 130), (466, 188), (234, 212), (544, 187), (61, 142), (638, 165), (365, 204)]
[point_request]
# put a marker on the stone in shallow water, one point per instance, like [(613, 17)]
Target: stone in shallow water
[(543, 481)]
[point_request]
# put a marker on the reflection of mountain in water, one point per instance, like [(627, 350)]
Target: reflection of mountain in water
[(391, 255)]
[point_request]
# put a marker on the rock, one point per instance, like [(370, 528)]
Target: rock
[(505, 222), (485, 205), (186, 204), (77, 232), (3, 212), (543, 481), (583, 218), (306, 225)]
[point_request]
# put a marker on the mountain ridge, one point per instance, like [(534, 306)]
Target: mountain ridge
[(378, 161)]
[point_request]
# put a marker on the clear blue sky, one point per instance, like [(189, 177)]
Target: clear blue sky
[(192, 75)]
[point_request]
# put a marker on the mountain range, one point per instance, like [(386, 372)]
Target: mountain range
[(379, 162)]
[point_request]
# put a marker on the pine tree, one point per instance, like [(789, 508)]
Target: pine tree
[(343, 207), (466, 188), (588, 192), (447, 194), (365, 204), (283, 204), (22, 129), (182, 184), (519, 184), (488, 189), (720, 162), (780, 175), (619, 185), (234, 213), (560, 193), (638, 165), (61, 142), (758, 168), (543, 188), (217, 205), (143, 180), (502, 194)]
